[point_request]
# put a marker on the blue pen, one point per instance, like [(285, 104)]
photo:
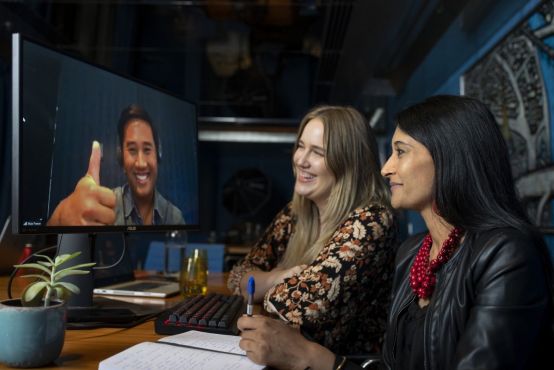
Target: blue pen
[(250, 289)]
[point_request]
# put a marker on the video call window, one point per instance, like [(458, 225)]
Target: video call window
[(62, 104)]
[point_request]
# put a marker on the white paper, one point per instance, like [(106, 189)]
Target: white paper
[(199, 339), (156, 355)]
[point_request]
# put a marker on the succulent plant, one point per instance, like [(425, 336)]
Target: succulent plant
[(48, 286)]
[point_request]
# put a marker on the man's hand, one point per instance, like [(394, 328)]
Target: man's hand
[(90, 204)]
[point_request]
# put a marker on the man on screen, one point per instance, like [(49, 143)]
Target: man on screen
[(136, 203)]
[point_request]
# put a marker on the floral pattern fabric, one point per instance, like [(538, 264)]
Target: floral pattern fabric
[(341, 299)]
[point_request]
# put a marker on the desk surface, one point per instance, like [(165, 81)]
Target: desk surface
[(84, 349)]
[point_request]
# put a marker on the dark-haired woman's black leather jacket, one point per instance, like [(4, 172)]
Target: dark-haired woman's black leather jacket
[(491, 309)]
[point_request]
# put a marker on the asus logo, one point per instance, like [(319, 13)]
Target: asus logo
[(131, 228)]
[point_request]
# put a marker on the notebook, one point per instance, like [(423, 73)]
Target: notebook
[(119, 280), (191, 350)]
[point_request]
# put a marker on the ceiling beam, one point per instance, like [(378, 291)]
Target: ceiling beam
[(443, 15), (386, 42), (372, 31)]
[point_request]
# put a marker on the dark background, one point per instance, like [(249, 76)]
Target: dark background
[(253, 68)]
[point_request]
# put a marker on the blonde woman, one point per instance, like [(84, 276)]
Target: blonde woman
[(330, 251)]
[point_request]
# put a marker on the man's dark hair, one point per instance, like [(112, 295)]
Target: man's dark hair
[(136, 112)]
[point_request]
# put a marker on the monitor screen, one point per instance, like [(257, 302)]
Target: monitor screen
[(142, 176)]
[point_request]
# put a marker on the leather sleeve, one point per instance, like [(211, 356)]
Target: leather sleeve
[(510, 305)]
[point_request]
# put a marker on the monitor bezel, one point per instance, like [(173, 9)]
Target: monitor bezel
[(17, 90)]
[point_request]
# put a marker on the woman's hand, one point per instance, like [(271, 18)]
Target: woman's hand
[(271, 342)]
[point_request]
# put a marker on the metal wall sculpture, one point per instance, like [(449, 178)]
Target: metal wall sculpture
[(516, 81)]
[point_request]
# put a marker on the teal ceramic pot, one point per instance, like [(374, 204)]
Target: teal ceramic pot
[(31, 336)]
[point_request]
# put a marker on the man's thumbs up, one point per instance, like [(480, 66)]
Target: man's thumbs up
[(94, 162), (90, 203)]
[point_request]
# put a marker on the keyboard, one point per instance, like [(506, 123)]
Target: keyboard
[(214, 313)]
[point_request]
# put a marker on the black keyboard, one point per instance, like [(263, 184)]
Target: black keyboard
[(214, 313)]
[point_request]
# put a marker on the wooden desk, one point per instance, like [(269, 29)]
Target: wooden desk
[(84, 349)]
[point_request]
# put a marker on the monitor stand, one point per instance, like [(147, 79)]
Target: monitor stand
[(83, 309)]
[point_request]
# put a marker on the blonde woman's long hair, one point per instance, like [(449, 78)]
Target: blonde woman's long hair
[(352, 157)]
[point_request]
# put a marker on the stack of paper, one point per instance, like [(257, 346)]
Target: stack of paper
[(190, 350)]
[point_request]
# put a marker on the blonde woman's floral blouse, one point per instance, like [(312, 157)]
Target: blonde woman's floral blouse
[(341, 299)]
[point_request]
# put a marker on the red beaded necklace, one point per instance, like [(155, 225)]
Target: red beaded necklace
[(422, 273)]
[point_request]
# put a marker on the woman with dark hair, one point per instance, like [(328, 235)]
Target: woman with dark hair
[(475, 291), (472, 292)]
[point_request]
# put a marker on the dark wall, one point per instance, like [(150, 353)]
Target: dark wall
[(219, 162)]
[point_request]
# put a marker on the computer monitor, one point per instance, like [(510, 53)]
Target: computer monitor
[(61, 104), (148, 137)]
